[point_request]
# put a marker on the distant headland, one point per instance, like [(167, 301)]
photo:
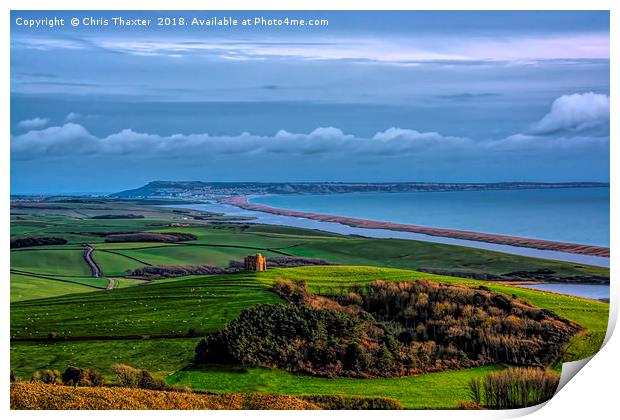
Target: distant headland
[(199, 189)]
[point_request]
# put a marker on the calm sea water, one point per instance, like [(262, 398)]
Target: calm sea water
[(576, 215), (590, 291)]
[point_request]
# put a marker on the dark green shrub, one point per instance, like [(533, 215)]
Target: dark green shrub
[(339, 402), (75, 376)]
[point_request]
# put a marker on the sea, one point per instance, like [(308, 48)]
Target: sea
[(575, 215)]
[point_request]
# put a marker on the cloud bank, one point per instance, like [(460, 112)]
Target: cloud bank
[(577, 122)]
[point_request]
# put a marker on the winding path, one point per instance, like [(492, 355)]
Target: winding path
[(88, 257)]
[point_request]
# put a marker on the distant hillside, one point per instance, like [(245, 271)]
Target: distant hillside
[(198, 189)]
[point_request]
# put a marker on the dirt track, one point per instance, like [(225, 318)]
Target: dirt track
[(88, 257)]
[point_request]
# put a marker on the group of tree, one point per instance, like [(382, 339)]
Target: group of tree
[(72, 376), (514, 388), (118, 216), (126, 376), (169, 237), (389, 329), (25, 242)]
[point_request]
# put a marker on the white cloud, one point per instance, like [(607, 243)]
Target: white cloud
[(33, 123), (576, 112), (568, 112)]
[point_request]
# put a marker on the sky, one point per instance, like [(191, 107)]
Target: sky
[(460, 96)]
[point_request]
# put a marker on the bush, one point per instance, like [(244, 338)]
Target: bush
[(515, 388), (128, 376), (125, 375), (81, 377), (297, 338), (154, 272), (47, 376), (339, 402), (148, 381)]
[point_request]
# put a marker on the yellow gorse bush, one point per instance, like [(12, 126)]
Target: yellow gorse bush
[(39, 396)]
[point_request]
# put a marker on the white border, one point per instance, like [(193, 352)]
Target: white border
[(591, 395)]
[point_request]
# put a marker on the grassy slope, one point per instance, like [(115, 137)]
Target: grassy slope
[(28, 287), (202, 304), (162, 357), (433, 390), (171, 301), (54, 262), (114, 264)]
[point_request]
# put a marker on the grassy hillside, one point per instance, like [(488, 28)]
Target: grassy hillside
[(199, 304), (160, 356), (205, 303), (24, 287), (51, 262)]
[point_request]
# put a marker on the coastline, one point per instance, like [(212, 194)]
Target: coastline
[(591, 250)]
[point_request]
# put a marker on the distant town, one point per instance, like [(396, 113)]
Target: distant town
[(197, 190)]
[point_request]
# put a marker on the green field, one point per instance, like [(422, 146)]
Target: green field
[(200, 304), (190, 255), (52, 291), (28, 287), (432, 390), (162, 357), (115, 264), (51, 262)]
